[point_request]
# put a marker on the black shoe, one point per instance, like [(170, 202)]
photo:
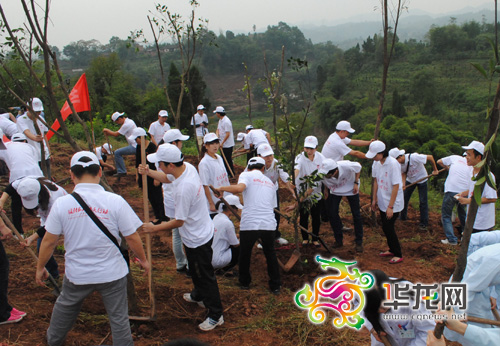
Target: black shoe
[(359, 248), (337, 245), (244, 287), (119, 175), (184, 270), (276, 291), (346, 229)]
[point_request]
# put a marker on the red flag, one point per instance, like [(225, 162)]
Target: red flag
[(79, 96)]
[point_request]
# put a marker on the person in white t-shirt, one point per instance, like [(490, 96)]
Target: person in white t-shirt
[(26, 125), (413, 170), (127, 125), (342, 179), (307, 163), (225, 133), (387, 192), (459, 175), (274, 172), (257, 221), (158, 128), (485, 217), (226, 246), (93, 262), (8, 123), (252, 139), (22, 161), (336, 148), (212, 170), (196, 229), (200, 121), (102, 153)]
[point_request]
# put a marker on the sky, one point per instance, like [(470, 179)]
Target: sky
[(73, 20)]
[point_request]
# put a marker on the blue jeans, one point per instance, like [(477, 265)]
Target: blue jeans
[(180, 258), (446, 210), (422, 197), (120, 164), (332, 204)]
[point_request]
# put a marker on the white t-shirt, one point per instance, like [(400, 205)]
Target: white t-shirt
[(336, 148), (91, 257), (485, 217), (344, 184), (22, 160), (191, 207), (306, 167), (198, 119), (213, 172), (25, 123), (126, 130), (259, 198), (224, 236), (225, 126), (98, 153), (388, 175), (459, 174), (255, 137), (416, 170), (157, 130), (53, 196), (274, 172), (8, 127)]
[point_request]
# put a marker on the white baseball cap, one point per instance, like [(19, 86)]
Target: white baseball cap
[(210, 137), (173, 135), (395, 152), (166, 153), (116, 115), (345, 126), (233, 201), (264, 150), (36, 104), (240, 136), (163, 113), (220, 109), (327, 166), (477, 146), (311, 142), (108, 147), (75, 160), (200, 107), (137, 132), (249, 127), (18, 137), (29, 189), (375, 148), (256, 160)]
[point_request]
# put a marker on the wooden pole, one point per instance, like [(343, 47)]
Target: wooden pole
[(30, 250), (225, 160), (422, 179)]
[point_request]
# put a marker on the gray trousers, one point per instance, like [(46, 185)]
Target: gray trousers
[(69, 303)]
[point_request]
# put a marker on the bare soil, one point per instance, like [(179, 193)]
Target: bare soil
[(252, 317)]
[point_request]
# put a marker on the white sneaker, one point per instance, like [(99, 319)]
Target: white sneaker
[(447, 242), (259, 246), (282, 241), (187, 297), (210, 324)]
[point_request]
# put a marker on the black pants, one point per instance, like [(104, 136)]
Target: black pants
[(228, 154), (16, 208), (315, 212), (235, 256), (203, 276), (5, 308), (333, 203), (390, 233), (277, 216), (247, 241), (155, 196)]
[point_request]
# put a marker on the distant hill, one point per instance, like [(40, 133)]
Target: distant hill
[(414, 26)]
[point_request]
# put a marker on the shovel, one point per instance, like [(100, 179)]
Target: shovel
[(286, 267), (422, 179), (30, 250), (152, 311)]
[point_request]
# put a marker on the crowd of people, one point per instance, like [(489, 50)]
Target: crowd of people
[(196, 205)]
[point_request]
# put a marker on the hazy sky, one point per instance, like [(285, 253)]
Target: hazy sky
[(73, 20)]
